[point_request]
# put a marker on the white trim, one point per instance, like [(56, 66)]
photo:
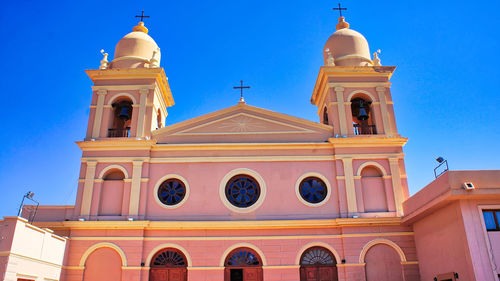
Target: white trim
[(357, 91), (119, 95), (168, 245), (318, 244), (371, 163), (243, 245), (116, 166), (228, 176), (164, 178), (381, 241), (317, 175), (94, 247)]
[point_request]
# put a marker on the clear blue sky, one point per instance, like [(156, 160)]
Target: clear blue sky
[(445, 88)]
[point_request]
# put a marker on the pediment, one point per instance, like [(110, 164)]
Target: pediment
[(243, 123)]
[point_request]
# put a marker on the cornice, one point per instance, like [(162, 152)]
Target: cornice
[(368, 141), (115, 144), (218, 225)]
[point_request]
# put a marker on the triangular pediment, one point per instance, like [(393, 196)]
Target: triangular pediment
[(243, 123)]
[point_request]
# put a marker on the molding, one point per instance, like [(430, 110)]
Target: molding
[(11, 254), (168, 245), (161, 180), (239, 224), (381, 241), (372, 163), (115, 166), (409, 262), (241, 245), (212, 159), (318, 244), (119, 95), (245, 171), (94, 247), (350, 264), (359, 91), (122, 87), (239, 238), (313, 174)]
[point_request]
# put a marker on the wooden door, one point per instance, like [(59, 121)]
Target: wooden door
[(252, 274), (168, 274), (249, 274), (318, 273)]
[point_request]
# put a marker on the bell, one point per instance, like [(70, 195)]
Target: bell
[(124, 115), (362, 115)]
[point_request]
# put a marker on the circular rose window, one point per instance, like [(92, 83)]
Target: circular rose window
[(171, 192), (313, 190), (242, 191)]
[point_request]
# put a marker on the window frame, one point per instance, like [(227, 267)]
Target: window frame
[(494, 211)]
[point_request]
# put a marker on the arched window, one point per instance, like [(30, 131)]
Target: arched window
[(168, 264), (362, 117), (111, 198), (373, 190), (318, 263), (325, 116), (120, 119), (243, 264)]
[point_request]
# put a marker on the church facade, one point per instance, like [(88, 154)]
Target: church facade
[(242, 193)]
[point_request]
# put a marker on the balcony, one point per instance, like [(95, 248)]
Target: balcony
[(119, 133), (361, 129)]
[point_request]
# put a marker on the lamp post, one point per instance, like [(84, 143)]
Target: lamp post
[(441, 162), (29, 195)]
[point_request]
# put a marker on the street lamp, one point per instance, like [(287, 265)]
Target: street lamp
[(29, 195)]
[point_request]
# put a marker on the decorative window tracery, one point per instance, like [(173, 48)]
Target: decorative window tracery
[(169, 258), (171, 191), (317, 256), (243, 257), (242, 191), (313, 190)]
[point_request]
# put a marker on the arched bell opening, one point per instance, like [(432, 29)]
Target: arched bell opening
[(325, 116), (362, 116), (111, 198), (243, 264), (121, 119), (168, 264), (318, 263)]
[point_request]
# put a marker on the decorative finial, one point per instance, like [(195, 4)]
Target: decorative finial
[(329, 61), (155, 59), (241, 87), (342, 24), (376, 59), (140, 27), (104, 61)]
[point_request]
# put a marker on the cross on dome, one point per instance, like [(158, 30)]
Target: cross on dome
[(340, 9), (142, 16)]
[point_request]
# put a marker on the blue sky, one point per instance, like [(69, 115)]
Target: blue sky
[(445, 88)]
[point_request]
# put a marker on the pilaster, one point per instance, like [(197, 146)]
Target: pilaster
[(350, 188), (135, 189), (341, 107), (101, 94), (88, 187), (384, 111), (396, 185), (142, 113)]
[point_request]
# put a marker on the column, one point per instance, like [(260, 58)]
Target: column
[(142, 113), (383, 109), (341, 106), (101, 94), (350, 189), (135, 189), (396, 185), (88, 187)]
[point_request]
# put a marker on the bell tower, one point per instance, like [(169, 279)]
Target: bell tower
[(131, 94), (352, 93)]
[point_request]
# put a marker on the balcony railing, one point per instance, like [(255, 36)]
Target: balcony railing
[(119, 133), (360, 129)]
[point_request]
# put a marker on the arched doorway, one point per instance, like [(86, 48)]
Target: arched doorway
[(103, 264), (243, 264), (383, 263), (318, 264), (168, 264)]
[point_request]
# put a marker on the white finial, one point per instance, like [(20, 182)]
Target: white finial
[(104, 61), (376, 59), (329, 61), (155, 60)]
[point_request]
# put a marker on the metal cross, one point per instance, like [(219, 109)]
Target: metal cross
[(340, 9), (241, 87), (142, 16)]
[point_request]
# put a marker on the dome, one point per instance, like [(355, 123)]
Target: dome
[(136, 50), (347, 47)]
